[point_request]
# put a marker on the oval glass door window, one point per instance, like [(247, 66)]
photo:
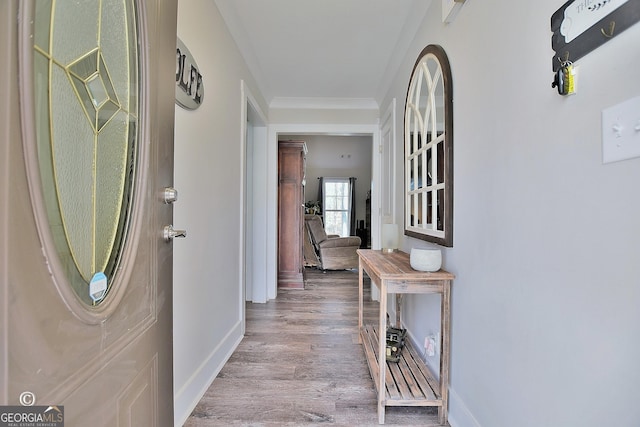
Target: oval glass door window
[(86, 89)]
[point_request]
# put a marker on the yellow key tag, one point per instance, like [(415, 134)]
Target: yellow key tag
[(565, 79), (569, 79)]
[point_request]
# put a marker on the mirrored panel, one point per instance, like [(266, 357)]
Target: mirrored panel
[(428, 137)]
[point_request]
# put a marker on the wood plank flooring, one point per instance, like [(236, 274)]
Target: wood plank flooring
[(300, 364)]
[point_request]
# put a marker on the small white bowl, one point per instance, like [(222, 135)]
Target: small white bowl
[(425, 259)]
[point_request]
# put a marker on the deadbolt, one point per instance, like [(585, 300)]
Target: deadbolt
[(170, 195)]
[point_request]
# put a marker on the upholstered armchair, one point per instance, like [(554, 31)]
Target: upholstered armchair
[(334, 252)]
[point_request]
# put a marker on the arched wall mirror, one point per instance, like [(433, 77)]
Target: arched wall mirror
[(428, 149)]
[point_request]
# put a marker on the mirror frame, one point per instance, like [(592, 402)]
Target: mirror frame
[(442, 236)]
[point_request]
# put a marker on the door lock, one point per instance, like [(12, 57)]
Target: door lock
[(168, 233), (170, 195)]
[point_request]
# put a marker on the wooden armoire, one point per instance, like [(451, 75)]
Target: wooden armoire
[(291, 179)]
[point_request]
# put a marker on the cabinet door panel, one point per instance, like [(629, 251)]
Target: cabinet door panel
[(290, 214)]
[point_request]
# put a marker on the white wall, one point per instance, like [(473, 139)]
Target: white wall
[(208, 289), (323, 114), (545, 314)]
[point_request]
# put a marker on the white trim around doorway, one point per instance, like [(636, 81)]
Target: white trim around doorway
[(272, 184)]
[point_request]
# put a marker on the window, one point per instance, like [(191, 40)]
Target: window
[(337, 206)]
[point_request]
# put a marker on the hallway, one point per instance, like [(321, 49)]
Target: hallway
[(300, 364)]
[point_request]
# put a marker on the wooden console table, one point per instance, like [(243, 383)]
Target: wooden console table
[(407, 382)]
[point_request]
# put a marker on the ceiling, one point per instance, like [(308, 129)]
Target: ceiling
[(323, 48)]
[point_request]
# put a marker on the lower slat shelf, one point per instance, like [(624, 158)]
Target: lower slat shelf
[(408, 382)]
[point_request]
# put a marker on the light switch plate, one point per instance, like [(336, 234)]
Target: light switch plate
[(621, 131)]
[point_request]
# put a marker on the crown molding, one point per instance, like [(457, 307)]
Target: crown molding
[(323, 103)]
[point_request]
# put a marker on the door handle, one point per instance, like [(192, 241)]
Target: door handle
[(168, 233)]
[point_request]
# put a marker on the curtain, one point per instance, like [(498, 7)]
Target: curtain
[(352, 207), (321, 194)]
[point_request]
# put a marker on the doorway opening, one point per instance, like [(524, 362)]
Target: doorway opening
[(344, 161), (253, 257)]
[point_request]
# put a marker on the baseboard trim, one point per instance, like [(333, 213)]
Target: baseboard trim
[(459, 413), (186, 399)]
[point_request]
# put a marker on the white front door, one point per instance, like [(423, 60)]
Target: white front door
[(86, 120)]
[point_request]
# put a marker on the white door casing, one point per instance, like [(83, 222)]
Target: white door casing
[(254, 134), (387, 164), (272, 184)]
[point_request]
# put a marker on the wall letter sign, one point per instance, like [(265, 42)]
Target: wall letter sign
[(189, 85)]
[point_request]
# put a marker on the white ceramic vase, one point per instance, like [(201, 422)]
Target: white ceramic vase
[(425, 259)]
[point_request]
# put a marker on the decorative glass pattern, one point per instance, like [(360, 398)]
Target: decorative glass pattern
[(94, 88), (86, 86)]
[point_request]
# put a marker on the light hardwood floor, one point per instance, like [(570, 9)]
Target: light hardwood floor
[(300, 364)]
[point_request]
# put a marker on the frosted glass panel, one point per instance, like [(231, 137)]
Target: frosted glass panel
[(114, 44), (111, 163), (73, 154), (86, 90), (75, 29), (132, 105), (43, 16)]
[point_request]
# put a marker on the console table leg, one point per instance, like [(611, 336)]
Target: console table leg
[(360, 302), (445, 345), (382, 352)]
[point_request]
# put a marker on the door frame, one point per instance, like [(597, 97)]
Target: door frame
[(253, 247), (275, 130), (388, 164)]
